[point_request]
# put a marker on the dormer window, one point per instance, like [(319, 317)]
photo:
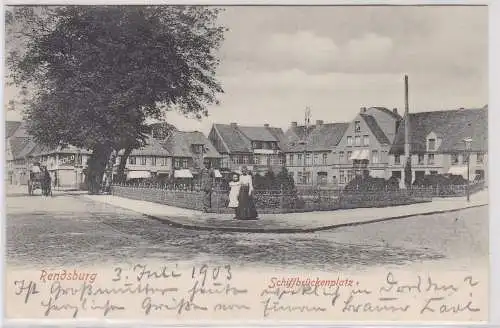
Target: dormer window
[(432, 144), (357, 126), (198, 149)]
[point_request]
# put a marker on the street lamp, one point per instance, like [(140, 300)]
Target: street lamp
[(468, 142)]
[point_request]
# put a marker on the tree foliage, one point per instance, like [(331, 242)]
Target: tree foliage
[(99, 72)]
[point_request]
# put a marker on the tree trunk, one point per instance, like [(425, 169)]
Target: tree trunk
[(123, 162), (96, 167)]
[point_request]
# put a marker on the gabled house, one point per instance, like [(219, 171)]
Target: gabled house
[(64, 163), (437, 143), (257, 147), (176, 154), (188, 151), (309, 152), (364, 147)]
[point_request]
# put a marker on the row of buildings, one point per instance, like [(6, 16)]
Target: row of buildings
[(314, 154)]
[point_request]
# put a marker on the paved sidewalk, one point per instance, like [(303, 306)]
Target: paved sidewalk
[(290, 222)]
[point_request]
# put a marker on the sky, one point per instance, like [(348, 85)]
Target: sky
[(278, 60)]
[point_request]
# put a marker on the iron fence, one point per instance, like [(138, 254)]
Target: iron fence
[(274, 200)]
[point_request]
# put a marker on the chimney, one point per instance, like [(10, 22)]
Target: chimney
[(319, 122), (266, 125), (362, 110), (293, 124), (395, 110), (407, 120), (233, 125)]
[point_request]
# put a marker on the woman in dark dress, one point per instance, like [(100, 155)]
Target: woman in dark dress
[(246, 205)]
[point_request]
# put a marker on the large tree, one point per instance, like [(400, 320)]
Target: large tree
[(97, 73)]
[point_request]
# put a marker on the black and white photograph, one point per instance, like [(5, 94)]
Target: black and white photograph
[(264, 163)]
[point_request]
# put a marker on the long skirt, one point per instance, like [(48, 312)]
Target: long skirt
[(246, 205)]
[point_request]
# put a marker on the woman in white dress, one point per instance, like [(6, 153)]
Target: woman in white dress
[(234, 193)]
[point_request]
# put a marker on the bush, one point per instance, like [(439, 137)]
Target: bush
[(369, 183), (434, 180)]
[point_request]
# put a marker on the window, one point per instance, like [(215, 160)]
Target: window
[(245, 159), (397, 159), (432, 144), (316, 158), (396, 174), (341, 156), (307, 177), (350, 176), (325, 158), (299, 159), (342, 177), (143, 160), (480, 158), (290, 159), (357, 126), (349, 141), (430, 159), (132, 160), (322, 178), (177, 163), (257, 159), (163, 161), (349, 155), (299, 177), (274, 145), (454, 159), (308, 159), (366, 140), (420, 159), (375, 156), (184, 163), (357, 140), (434, 172), (153, 161)]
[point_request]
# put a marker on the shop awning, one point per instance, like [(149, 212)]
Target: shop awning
[(355, 154), (138, 175), (461, 170), (364, 154), (217, 174), (184, 173)]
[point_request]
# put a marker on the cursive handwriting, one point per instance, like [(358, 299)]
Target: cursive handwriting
[(27, 289), (442, 307), (274, 306), (350, 306), (395, 286), (177, 305), (50, 306)]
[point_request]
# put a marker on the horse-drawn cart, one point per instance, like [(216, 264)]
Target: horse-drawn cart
[(38, 180)]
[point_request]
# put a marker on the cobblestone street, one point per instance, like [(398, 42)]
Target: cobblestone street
[(70, 229)]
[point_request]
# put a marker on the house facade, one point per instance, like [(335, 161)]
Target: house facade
[(176, 155), (437, 144), (364, 147), (65, 164), (309, 155), (260, 148)]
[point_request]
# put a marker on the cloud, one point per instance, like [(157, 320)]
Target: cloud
[(369, 48)]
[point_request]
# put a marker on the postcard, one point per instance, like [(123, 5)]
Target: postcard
[(266, 164)]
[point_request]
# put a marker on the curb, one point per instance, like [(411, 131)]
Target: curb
[(297, 230)]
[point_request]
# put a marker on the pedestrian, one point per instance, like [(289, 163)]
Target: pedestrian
[(47, 180), (234, 193), (246, 204), (207, 176)]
